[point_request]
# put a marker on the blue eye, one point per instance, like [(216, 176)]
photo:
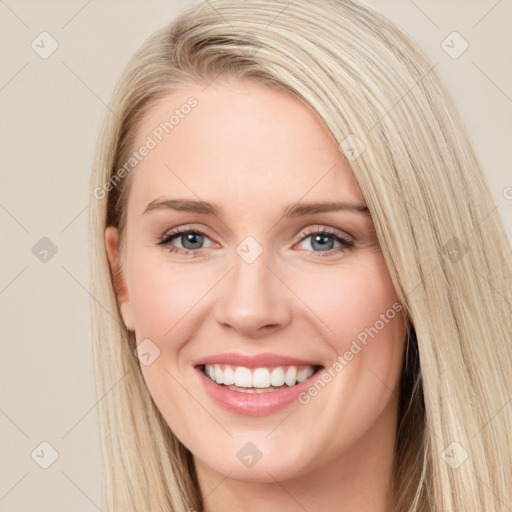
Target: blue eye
[(322, 241), (325, 240), (190, 239)]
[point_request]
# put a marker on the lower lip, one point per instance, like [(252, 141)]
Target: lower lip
[(254, 404)]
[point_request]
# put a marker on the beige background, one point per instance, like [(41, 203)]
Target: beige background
[(51, 112)]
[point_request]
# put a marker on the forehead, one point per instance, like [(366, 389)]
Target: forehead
[(239, 141)]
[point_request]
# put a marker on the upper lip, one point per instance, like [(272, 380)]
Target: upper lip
[(266, 359)]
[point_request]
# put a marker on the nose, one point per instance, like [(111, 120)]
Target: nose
[(254, 301)]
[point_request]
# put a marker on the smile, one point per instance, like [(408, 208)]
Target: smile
[(258, 380), (255, 391)]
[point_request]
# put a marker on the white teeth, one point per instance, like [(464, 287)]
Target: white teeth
[(304, 373), (277, 377), (229, 375), (243, 377), (291, 376), (252, 390), (219, 375), (259, 378), (301, 375)]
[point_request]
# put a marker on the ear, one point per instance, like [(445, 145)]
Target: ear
[(112, 247)]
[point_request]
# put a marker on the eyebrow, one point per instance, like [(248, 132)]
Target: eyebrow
[(293, 210)]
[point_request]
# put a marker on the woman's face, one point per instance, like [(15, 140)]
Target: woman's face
[(265, 289)]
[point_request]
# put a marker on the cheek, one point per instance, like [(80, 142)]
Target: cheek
[(162, 299), (353, 299), (363, 323), (162, 296)]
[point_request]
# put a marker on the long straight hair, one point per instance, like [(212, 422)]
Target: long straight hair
[(440, 234)]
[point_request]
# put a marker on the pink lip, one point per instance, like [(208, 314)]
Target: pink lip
[(253, 404), (266, 359)]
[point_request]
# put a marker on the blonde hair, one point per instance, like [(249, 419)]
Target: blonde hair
[(442, 239)]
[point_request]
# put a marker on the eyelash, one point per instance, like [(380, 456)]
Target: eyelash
[(166, 240)]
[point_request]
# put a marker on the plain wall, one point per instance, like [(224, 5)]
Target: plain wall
[(51, 114)]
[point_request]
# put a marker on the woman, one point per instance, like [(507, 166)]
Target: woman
[(302, 298)]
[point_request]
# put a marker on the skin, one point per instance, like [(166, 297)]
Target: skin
[(335, 452)]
